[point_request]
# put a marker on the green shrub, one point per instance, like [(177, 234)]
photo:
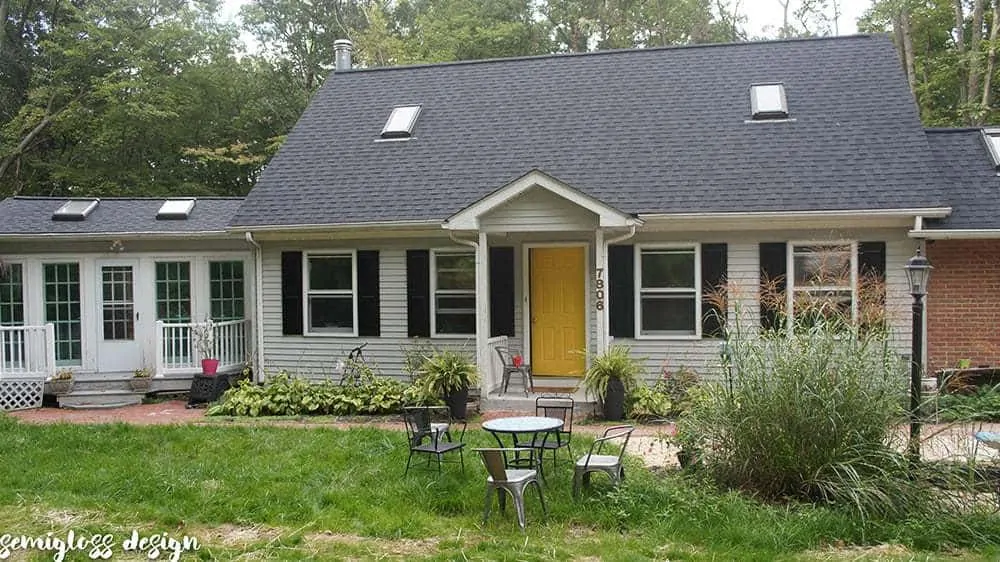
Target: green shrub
[(982, 405), (649, 402), (616, 362), (284, 395), (808, 416)]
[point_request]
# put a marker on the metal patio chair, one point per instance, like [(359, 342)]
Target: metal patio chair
[(559, 407), (432, 438), (505, 480), (509, 368), (594, 461)]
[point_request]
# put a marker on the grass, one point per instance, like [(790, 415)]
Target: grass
[(288, 493)]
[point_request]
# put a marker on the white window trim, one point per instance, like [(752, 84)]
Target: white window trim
[(306, 291), (790, 276), (434, 289), (637, 281)]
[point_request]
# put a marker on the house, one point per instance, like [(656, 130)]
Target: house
[(558, 204), (964, 248)]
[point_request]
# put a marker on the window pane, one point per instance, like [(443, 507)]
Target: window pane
[(459, 324), (456, 271), (173, 291), (456, 303), (328, 273), (62, 308), (822, 266), (668, 314), (667, 269), (226, 290), (331, 313), (811, 306), (11, 296)]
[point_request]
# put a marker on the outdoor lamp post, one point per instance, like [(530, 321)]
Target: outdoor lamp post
[(918, 272)]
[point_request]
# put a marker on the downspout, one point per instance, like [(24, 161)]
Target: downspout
[(606, 311), (258, 308), (623, 237), (482, 338)]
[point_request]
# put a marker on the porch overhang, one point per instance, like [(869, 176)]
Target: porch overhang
[(608, 216)]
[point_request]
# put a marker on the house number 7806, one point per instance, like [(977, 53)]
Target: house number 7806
[(599, 289)]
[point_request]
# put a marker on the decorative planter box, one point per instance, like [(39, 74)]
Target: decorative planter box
[(209, 388)]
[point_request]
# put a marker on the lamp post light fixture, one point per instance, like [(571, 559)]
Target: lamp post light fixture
[(918, 272)]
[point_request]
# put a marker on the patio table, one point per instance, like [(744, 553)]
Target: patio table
[(520, 427)]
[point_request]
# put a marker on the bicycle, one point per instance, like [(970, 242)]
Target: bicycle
[(354, 370)]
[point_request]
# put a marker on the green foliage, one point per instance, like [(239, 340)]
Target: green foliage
[(667, 398), (445, 371), (284, 395), (981, 405), (617, 362), (807, 416)]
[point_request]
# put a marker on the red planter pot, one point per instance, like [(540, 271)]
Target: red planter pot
[(209, 366)]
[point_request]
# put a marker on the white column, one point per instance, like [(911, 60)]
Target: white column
[(600, 290), (483, 309)]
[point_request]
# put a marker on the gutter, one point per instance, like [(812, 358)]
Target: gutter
[(621, 238), (955, 234), (213, 234), (931, 212), (258, 264)]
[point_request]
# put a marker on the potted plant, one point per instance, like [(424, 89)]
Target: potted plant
[(204, 337), (449, 374), (62, 381), (141, 380), (611, 377)]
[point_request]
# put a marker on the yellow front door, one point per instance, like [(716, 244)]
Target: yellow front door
[(558, 305)]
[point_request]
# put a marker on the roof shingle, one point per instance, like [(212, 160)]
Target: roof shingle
[(646, 131)]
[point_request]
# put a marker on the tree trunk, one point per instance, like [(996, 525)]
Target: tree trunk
[(906, 46), (4, 10), (963, 95), (991, 60), (975, 50)]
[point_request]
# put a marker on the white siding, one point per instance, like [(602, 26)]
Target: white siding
[(317, 356), (744, 272), (535, 210)]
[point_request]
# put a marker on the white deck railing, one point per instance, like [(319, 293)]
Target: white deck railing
[(27, 352), (493, 370), (177, 349)]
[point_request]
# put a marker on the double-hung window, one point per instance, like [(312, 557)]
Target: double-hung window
[(669, 299), (453, 276), (331, 293), (823, 283)]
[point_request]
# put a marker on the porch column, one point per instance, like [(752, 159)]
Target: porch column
[(483, 308), (600, 290)]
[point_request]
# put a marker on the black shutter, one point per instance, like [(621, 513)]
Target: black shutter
[(418, 293), (369, 323), (773, 283), (291, 293), (871, 284), (621, 293), (714, 263), (501, 291)]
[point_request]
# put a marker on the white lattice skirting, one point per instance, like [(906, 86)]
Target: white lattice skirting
[(21, 394)]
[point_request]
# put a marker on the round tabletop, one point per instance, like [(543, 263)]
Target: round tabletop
[(522, 424)]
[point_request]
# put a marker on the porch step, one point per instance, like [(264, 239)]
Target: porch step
[(514, 400), (88, 399)]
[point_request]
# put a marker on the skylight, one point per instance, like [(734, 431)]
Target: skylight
[(401, 121), (75, 210), (767, 101), (992, 139), (175, 209)]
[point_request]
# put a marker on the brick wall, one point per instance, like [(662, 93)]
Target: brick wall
[(963, 304)]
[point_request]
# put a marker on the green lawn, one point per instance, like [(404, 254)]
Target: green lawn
[(284, 493)]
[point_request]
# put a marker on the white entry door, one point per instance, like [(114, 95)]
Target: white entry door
[(119, 347)]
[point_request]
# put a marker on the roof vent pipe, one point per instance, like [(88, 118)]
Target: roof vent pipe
[(342, 49)]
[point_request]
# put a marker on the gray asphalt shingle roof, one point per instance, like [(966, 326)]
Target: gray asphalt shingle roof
[(33, 215), (973, 185), (646, 131)]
